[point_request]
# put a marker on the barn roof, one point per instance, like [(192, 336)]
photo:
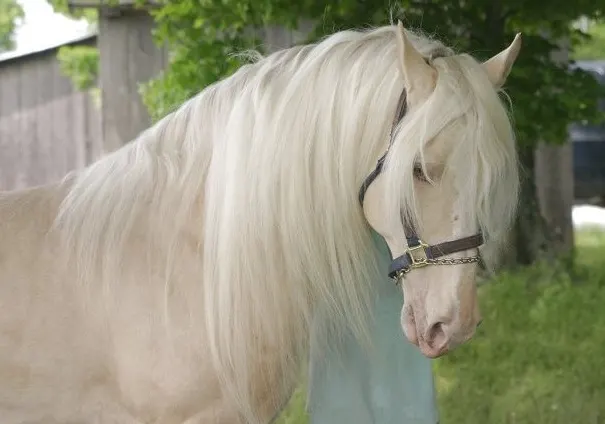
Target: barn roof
[(19, 54)]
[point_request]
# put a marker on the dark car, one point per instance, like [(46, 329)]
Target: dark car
[(589, 146)]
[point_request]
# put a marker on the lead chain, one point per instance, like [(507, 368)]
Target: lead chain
[(445, 261), (453, 261)]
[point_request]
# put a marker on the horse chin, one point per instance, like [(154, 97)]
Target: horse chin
[(431, 352)]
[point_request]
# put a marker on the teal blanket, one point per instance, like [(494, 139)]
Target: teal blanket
[(391, 385)]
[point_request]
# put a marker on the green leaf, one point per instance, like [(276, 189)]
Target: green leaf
[(10, 13), (80, 64)]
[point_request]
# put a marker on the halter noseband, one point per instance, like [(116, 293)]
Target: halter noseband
[(419, 254)]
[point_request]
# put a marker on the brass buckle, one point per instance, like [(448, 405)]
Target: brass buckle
[(418, 255)]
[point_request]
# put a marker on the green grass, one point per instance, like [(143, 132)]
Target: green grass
[(539, 356)]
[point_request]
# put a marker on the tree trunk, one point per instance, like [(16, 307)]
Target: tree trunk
[(555, 190), (532, 240), (535, 237)]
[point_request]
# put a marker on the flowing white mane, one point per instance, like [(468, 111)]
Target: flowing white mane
[(257, 177)]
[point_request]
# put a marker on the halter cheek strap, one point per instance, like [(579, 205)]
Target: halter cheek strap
[(402, 108), (419, 254)]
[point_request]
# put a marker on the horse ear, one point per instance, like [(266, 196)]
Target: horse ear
[(499, 66), (416, 73)]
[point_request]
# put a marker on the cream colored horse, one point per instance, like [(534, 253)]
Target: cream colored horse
[(176, 279)]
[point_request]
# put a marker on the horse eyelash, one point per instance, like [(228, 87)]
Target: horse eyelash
[(419, 173)]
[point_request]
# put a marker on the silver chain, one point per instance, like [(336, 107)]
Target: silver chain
[(453, 261), (442, 261)]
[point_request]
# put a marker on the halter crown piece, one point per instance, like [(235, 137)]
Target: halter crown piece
[(419, 254)]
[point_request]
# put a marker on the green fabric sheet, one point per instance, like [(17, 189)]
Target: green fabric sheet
[(393, 384)]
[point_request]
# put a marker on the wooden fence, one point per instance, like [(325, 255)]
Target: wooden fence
[(47, 127)]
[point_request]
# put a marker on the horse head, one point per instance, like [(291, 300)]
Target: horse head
[(452, 141)]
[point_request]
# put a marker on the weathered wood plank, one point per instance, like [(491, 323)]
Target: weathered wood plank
[(47, 127), (10, 133), (129, 57)]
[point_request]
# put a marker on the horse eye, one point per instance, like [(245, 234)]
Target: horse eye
[(419, 174)]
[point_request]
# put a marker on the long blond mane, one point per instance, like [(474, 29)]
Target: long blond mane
[(261, 171)]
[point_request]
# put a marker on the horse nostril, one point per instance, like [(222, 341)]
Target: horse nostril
[(436, 337)]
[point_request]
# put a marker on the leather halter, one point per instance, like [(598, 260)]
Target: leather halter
[(418, 253)]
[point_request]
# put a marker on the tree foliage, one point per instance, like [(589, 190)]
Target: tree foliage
[(594, 47), (10, 12), (81, 64), (62, 7), (205, 36)]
